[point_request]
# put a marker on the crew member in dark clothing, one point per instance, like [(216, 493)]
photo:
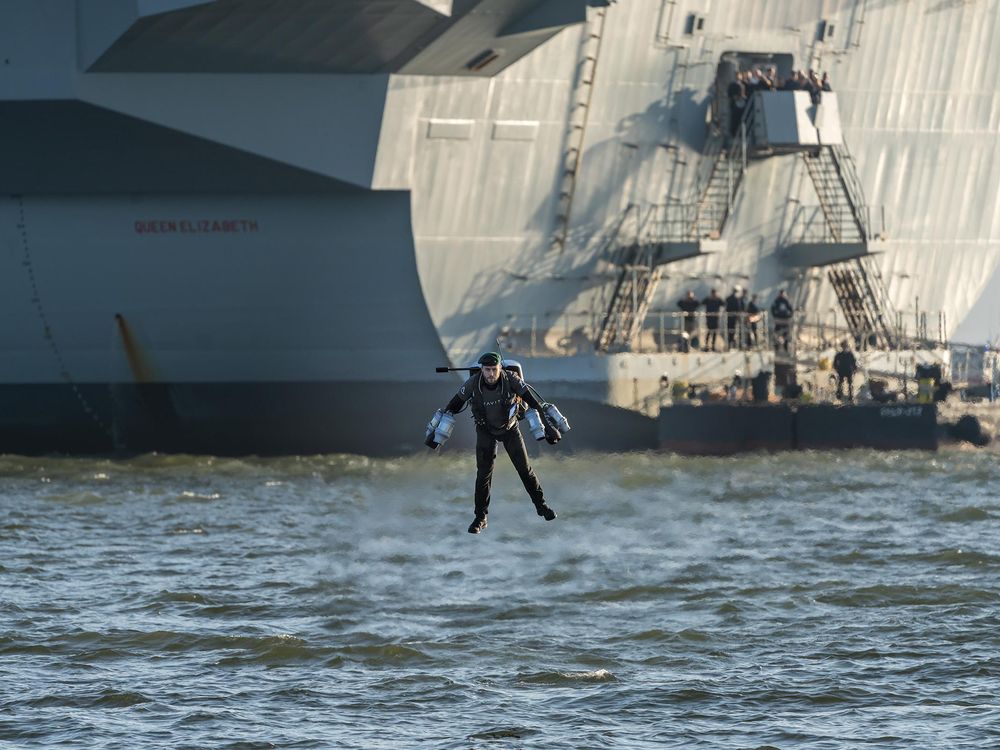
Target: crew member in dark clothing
[(736, 306), (495, 395), (737, 94), (689, 305), (845, 365), (753, 318), (781, 312), (713, 303)]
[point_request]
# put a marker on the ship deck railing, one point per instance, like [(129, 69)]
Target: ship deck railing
[(918, 330), (662, 332)]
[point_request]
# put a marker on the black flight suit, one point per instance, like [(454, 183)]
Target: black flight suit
[(496, 422)]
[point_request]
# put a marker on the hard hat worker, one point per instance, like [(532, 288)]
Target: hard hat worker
[(494, 395)]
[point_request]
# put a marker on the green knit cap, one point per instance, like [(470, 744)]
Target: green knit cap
[(489, 359)]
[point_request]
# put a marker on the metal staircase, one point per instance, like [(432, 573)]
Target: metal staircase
[(865, 303), (674, 231), (630, 301), (717, 194), (839, 193), (669, 232), (858, 283)]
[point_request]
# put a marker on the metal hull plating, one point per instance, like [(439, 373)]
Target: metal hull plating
[(269, 246), (244, 418)]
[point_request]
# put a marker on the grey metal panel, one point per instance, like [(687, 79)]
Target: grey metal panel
[(37, 49), (296, 297), (342, 36), (455, 129), (515, 130), (906, 120), (313, 36), (786, 120), (66, 147), (328, 124), (479, 35), (549, 14), (919, 101), (444, 7)]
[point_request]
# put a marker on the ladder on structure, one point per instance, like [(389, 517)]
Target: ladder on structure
[(858, 283), (717, 194), (663, 227), (631, 299), (578, 124), (843, 207), (865, 303)]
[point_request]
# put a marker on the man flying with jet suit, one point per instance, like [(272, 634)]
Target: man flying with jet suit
[(493, 395)]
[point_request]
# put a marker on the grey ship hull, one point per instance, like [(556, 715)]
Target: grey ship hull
[(266, 419), (231, 231)]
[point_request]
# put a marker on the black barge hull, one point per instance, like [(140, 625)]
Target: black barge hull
[(728, 428)]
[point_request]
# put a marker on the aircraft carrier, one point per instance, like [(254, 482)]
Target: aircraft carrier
[(257, 226)]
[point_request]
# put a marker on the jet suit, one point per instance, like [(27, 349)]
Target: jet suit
[(495, 411)]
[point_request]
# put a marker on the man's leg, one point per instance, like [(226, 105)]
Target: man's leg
[(840, 387), (513, 443), (486, 453)]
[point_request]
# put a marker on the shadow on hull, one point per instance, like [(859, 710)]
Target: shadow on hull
[(234, 419)]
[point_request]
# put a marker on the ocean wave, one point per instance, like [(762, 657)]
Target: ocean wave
[(275, 650), (389, 654), (179, 597), (963, 557), (232, 649), (12, 646), (967, 514), (503, 733), (566, 678), (75, 498), (889, 595), (629, 593), (108, 698), (656, 635)]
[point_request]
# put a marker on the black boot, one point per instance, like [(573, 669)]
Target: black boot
[(478, 524), (545, 511)]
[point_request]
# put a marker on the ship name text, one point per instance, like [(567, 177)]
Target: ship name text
[(195, 226)]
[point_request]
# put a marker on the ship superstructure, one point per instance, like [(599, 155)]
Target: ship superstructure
[(255, 226)]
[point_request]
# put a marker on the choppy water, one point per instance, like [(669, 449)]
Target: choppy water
[(795, 601)]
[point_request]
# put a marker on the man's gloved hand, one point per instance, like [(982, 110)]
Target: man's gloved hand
[(552, 435)]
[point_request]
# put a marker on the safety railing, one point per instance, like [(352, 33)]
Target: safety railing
[(831, 328), (672, 222), (810, 224), (719, 175), (662, 331), (672, 331)]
